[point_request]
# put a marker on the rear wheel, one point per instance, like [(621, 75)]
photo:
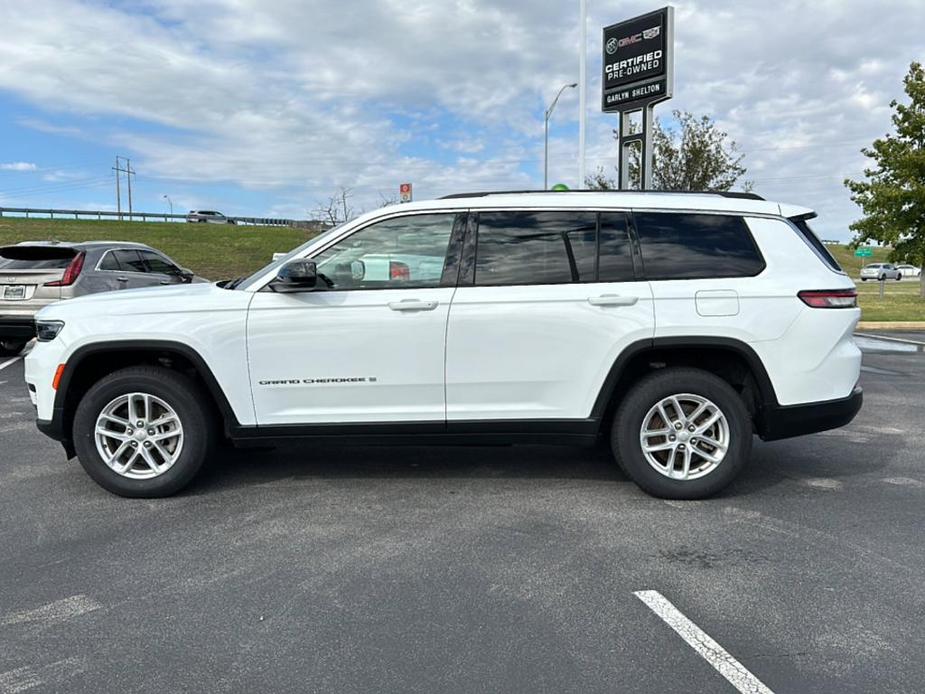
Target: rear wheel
[(899, 276), (143, 431), (682, 433), (10, 348)]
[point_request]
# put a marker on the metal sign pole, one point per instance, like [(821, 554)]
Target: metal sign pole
[(628, 139), (646, 158)]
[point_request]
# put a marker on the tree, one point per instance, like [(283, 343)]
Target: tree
[(337, 209), (892, 198), (694, 156)]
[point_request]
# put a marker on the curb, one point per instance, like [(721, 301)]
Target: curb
[(890, 325)]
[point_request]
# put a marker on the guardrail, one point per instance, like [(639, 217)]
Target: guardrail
[(144, 216)]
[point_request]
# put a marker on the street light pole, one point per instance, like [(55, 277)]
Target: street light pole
[(582, 90), (169, 202), (546, 132)]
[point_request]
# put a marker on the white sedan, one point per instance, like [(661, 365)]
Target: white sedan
[(909, 270)]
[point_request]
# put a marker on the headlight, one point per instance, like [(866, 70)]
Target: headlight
[(47, 330)]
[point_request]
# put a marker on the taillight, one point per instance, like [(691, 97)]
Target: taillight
[(830, 298), (71, 272), (399, 271)]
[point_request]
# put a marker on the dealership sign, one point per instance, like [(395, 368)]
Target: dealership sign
[(638, 61)]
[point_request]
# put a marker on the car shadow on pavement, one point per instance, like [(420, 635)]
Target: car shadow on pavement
[(240, 468)]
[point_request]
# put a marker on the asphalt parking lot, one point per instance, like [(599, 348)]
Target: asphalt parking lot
[(472, 569)]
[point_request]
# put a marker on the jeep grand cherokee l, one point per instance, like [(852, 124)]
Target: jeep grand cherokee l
[(672, 326)]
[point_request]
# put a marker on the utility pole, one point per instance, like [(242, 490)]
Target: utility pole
[(127, 170), (128, 177), (118, 192)]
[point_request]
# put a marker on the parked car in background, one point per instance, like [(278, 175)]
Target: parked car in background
[(909, 270), (35, 274), (880, 271), (208, 217)]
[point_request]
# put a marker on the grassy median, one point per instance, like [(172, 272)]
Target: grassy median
[(213, 251)]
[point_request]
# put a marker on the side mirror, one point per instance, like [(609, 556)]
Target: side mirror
[(185, 275), (296, 276)]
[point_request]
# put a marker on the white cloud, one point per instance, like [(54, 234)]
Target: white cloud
[(300, 96), (18, 166)]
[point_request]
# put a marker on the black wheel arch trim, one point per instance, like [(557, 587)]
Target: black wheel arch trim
[(57, 427), (768, 398)]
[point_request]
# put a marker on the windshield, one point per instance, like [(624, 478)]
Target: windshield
[(276, 264)]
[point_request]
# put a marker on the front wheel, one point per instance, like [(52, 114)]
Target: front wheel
[(10, 348), (899, 277), (682, 433), (143, 431)]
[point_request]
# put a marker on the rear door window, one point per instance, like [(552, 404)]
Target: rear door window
[(130, 260), (696, 246), (616, 252), (516, 248)]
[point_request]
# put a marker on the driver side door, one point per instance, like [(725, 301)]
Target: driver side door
[(367, 345)]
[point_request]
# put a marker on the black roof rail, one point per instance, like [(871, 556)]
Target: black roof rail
[(721, 193)]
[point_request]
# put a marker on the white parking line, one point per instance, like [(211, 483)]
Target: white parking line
[(9, 362), (730, 668)]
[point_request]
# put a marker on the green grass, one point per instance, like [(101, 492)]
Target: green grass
[(220, 252), (211, 250), (900, 302)]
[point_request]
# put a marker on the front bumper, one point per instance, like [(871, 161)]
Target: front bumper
[(17, 328), (784, 422)]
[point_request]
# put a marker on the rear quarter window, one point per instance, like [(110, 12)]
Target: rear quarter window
[(810, 238), (696, 246)]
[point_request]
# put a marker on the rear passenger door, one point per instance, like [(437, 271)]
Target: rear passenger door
[(124, 268), (705, 270), (546, 302)]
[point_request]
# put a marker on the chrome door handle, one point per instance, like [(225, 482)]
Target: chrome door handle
[(412, 305), (165, 281), (612, 300), (122, 279)]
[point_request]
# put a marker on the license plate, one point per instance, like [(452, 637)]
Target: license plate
[(14, 291)]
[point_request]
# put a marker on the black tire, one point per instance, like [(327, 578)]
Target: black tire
[(188, 401), (863, 279), (10, 348), (899, 277), (651, 390), (882, 278)]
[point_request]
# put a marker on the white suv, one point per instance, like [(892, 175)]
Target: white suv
[(673, 326)]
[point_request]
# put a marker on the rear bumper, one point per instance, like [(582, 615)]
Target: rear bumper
[(17, 328), (796, 420)]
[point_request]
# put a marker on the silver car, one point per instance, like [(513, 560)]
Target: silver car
[(35, 274), (909, 270), (880, 271), (208, 217)]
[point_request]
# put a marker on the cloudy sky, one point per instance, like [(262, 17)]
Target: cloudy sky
[(265, 107)]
